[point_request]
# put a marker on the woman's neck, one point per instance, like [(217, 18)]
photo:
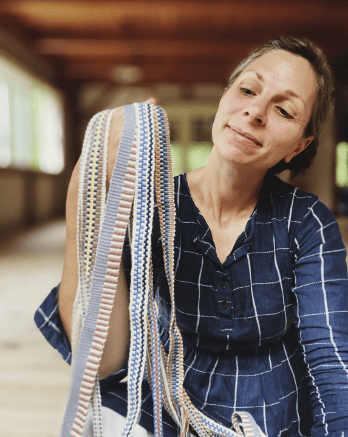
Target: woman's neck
[(223, 191)]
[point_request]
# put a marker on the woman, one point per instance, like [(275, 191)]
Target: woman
[(261, 279)]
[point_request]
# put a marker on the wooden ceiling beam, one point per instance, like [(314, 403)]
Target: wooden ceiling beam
[(94, 48), (175, 14), (158, 72), (172, 41), (260, 33), (135, 51)]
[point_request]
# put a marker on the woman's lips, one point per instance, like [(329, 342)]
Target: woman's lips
[(245, 134)]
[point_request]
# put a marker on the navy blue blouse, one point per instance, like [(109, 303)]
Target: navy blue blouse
[(264, 332)]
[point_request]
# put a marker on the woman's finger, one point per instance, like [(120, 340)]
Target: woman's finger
[(152, 100)]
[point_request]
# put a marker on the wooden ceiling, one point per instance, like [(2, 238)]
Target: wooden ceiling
[(171, 41)]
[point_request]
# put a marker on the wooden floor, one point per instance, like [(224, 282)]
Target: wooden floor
[(34, 379)]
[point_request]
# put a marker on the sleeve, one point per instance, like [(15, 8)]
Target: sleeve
[(47, 319), (321, 290)]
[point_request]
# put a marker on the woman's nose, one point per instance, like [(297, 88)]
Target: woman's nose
[(256, 113)]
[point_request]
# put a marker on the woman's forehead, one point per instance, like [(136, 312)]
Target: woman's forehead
[(286, 71)]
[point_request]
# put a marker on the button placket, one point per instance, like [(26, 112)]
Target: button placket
[(223, 286), (225, 304)]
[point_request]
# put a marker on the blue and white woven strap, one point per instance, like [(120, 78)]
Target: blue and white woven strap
[(141, 255), (143, 168), (154, 364), (95, 325)]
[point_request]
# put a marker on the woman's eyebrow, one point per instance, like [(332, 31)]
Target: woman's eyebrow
[(259, 76), (291, 93), (288, 93)]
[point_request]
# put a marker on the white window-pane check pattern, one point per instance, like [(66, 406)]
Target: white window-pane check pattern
[(266, 331)]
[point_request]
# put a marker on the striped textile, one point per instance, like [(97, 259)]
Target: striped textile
[(142, 167)]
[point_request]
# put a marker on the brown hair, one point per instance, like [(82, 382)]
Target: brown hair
[(322, 103)]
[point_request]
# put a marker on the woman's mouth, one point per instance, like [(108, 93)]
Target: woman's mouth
[(246, 135)]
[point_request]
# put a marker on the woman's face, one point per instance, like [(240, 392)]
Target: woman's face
[(261, 118)]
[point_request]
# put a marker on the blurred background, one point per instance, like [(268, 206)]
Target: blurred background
[(63, 61)]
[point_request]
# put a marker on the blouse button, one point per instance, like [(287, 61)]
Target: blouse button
[(223, 285), (225, 304)]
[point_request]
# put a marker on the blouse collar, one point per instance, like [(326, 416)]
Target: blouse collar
[(202, 236)]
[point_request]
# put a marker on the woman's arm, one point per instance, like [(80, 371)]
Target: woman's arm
[(321, 290), (116, 346)]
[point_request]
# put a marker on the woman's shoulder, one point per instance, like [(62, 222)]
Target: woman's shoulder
[(180, 178), (296, 203), (181, 188), (283, 190)]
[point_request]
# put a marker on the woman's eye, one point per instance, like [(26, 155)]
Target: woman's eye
[(284, 113), (247, 92)]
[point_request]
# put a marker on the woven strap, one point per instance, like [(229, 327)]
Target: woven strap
[(244, 424), (142, 170)]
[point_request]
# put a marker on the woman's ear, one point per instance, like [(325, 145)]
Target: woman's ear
[(304, 142)]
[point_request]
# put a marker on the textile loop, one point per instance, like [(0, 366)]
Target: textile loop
[(143, 168)]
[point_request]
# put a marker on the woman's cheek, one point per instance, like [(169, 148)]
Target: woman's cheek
[(286, 134), (238, 104)]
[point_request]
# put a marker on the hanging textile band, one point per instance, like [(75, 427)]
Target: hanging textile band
[(142, 171)]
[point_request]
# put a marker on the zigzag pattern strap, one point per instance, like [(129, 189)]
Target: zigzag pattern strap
[(91, 207), (143, 168), (104, 282), (185, 413), (244, 423), (91, 197), (94, 175), (154, 367), (141, 255)]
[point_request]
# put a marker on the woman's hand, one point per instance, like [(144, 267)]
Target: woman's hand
[(115, 134), (152, 100)]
